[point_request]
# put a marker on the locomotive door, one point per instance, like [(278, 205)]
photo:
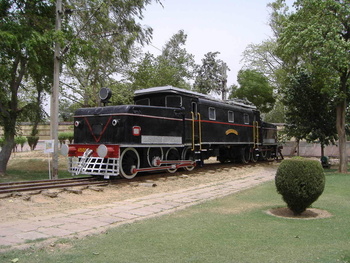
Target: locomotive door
[(196, 127), (256, 130), (256, 133)]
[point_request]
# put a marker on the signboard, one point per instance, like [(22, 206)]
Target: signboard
[(49, 144)]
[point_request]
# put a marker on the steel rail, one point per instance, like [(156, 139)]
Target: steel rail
[(47, 180), (45, 184)]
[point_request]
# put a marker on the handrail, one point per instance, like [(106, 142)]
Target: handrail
[(200, 130), (255, 133), (192, 113)]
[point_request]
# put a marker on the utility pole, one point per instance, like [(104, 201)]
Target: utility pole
[(223, 68), (55, 94)]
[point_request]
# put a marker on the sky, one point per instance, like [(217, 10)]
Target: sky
[(226, 26)]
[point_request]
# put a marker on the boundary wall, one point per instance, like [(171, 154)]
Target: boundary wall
[(311, 149), (25, 128), (289, 148)]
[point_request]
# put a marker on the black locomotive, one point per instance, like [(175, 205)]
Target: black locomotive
[(166, 129)]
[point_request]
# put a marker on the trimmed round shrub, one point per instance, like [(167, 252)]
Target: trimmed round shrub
[(32, 141), (300, 182), (20, 140), (64, 136), (70, 137)]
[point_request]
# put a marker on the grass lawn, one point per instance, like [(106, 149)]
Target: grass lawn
[(23, 175), (231, 229), (26, 168)]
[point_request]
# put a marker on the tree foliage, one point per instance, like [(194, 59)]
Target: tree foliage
[(211, 75), (317, 35), (254, 87), (103, 38), (97, 38), (262, 58), (177, 57), (26, 33), (310, 114), (175, 66)]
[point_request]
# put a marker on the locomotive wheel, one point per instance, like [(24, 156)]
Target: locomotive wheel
[(222, 159), (264, 154), (245, 155), (269, 156), (254, 156), (172, 154), (188, 155), (129, 159), (152, 153)]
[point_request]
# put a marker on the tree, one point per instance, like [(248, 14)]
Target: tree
[(92, 39), (103, 43), (178, 58), (277, 114), (212, 75), (173, 67), (26, 33), (262, 58), (254, 87), (310, 114), (318, 36)]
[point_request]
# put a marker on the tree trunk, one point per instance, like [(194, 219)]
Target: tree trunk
[(343, 163), (5, 153)]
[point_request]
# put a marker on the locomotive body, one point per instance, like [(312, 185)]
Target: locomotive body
[(167, 128)]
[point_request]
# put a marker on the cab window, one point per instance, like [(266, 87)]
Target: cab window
[(212, 113), (173, 101), (145, 101), (246, 118), (231, 116)]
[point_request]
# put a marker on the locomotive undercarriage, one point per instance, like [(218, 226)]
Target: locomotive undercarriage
[(133, 160), (246, 154)]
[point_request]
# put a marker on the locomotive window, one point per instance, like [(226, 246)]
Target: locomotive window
[(173, 101), (212, 113), (194, 110), (231, 116), (246, 118), (143, 102)]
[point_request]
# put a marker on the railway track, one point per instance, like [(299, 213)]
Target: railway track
[(24, 186)]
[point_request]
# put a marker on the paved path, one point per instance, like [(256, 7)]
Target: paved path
[(93, 220)]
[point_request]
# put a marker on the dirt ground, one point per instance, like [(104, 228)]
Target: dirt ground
[(27, 205), (310, 213)]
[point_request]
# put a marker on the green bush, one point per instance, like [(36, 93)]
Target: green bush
[(70, 137), (300, 182), (2, 141), (20, 140), (63, 136), (32, 141)]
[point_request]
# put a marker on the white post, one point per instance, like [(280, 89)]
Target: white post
[(55, 93)]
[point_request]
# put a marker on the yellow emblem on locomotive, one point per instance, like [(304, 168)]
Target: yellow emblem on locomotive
[(230, 131)]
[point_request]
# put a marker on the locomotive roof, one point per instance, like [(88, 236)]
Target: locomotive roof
[(174, 90), (102, 110), (169, 89)]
